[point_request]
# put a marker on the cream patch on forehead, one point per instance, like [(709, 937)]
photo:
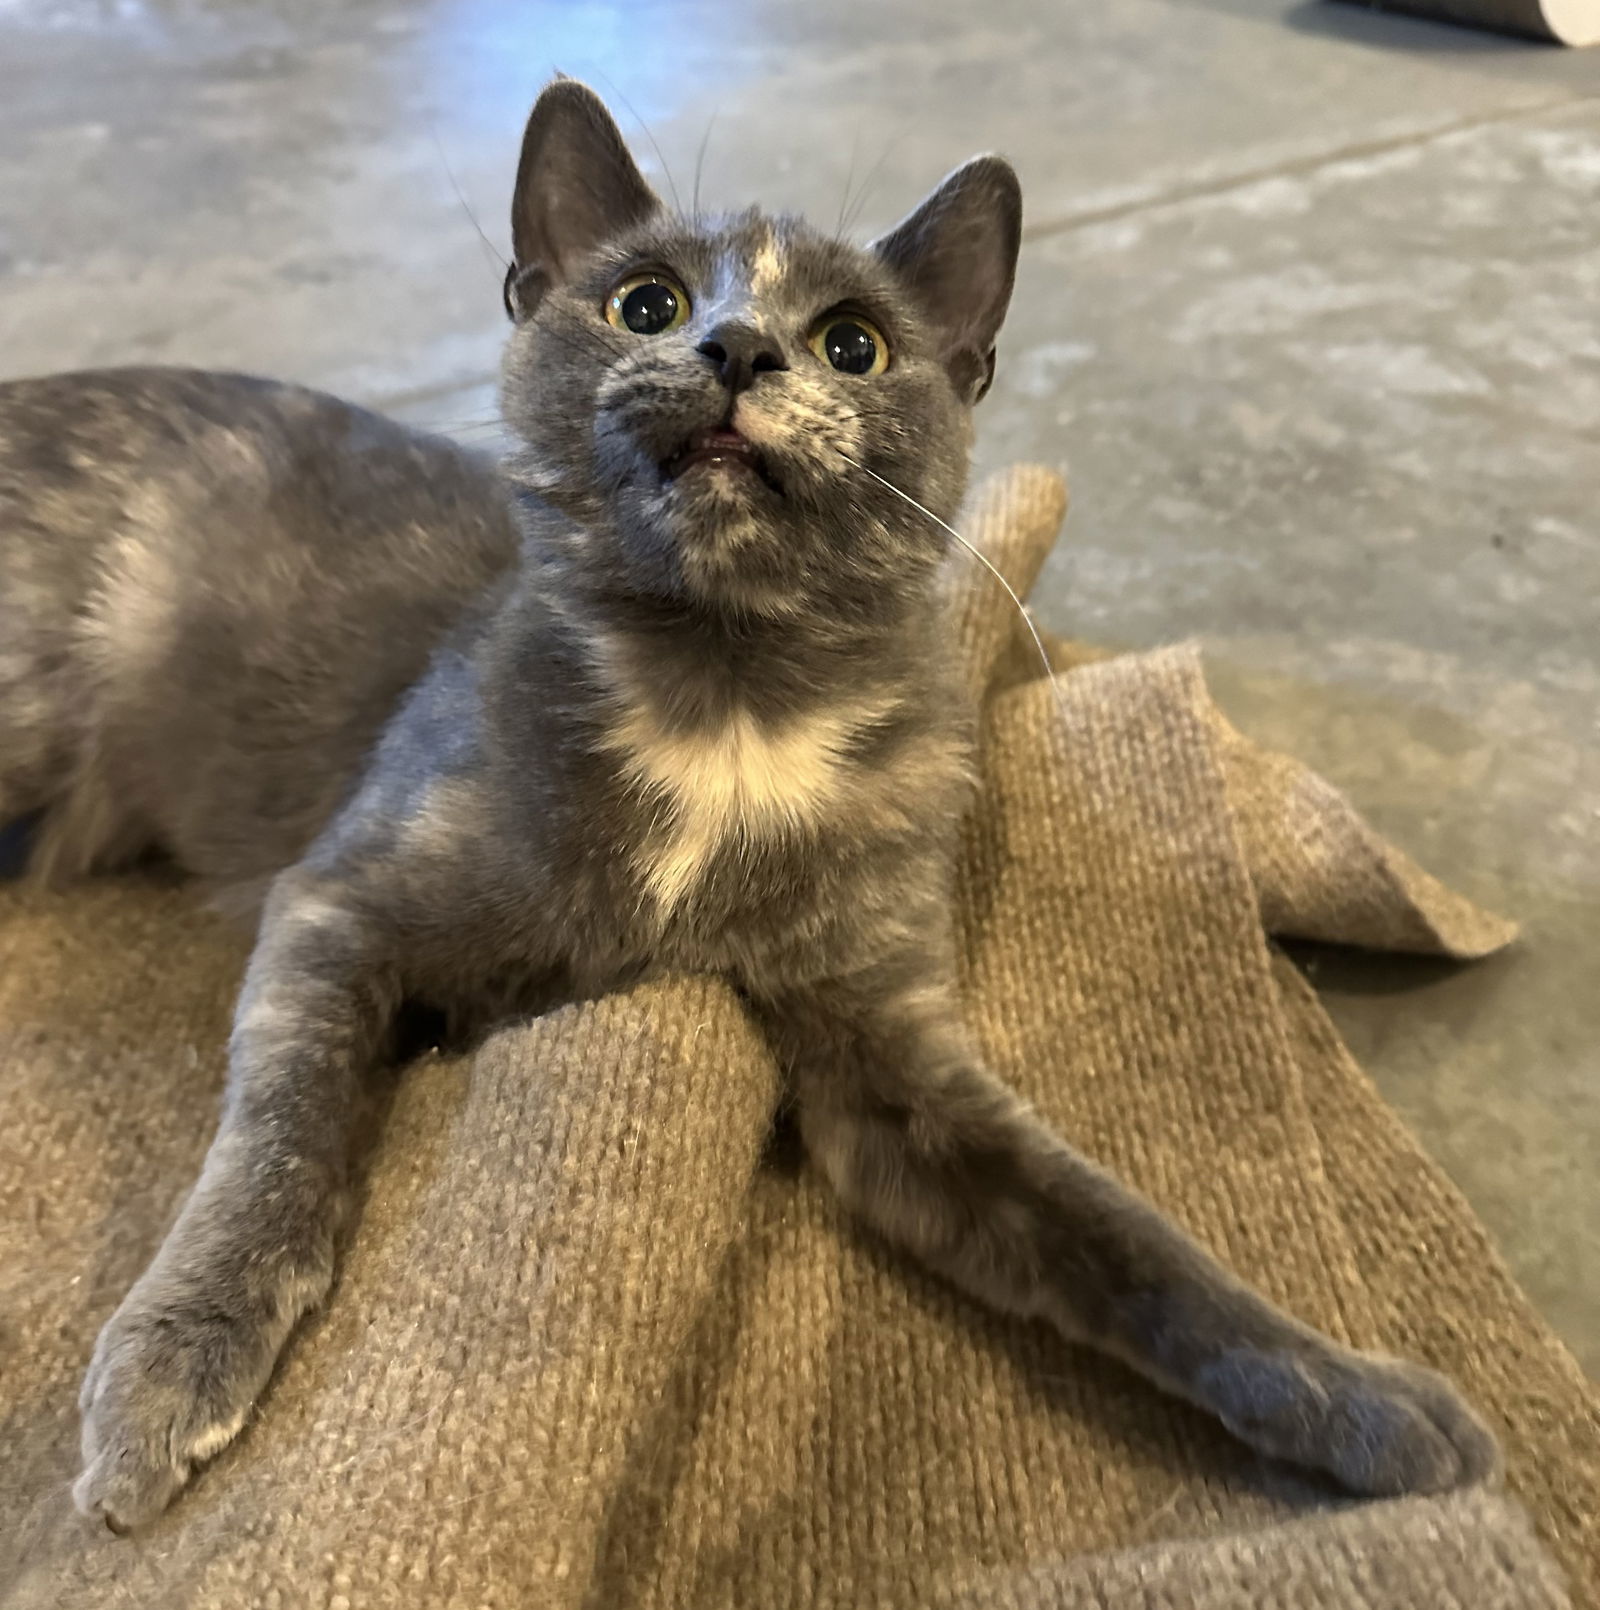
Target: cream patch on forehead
[(767, 265), (744, 274)]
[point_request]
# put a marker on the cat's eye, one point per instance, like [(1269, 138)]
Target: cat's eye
[(851, 344), (647, 304)]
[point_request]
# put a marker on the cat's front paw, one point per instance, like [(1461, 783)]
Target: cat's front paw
[(1379, 1426), (174, 1375)]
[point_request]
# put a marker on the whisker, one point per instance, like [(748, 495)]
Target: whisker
[(984, 560), (569, 339), (872, 174), (477, 430), (649, 134), (595, 334), (700, 162), (472, 217), (481, 422), (576, 334), (849, 179)]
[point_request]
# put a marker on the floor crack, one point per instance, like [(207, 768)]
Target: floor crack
[(1292, 167)]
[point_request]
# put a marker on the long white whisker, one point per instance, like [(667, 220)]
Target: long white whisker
[(984, 560), (472, 217)]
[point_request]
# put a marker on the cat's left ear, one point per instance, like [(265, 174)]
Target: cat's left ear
[(577, 188), (957, 255)]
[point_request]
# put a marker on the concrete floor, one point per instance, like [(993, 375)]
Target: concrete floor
[(1310, 301)]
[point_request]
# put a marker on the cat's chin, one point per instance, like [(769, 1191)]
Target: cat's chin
[(718, 505), (728, 536)]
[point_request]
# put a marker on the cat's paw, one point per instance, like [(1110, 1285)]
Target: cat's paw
[(1378, 1426), (174, 1375)]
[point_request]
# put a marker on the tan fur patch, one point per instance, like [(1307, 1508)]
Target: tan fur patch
[(212, 1439), (129, 625), (743, 783), (766, 269), (802, 409)]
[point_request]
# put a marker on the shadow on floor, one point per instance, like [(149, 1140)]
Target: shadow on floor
[(1341, 970), (1374, 26), (1390, 33)]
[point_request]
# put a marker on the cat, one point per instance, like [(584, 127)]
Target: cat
[(681, 700)]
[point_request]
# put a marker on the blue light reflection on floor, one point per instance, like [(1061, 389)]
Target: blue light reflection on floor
[(490, 57)]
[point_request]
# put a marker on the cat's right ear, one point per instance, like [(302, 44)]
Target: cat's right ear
[(577, 187), (957, 254)]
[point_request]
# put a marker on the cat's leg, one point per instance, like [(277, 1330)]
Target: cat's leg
[(939, 1157), (178, 1366)]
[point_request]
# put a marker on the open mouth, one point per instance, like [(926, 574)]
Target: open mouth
[(719, 445)]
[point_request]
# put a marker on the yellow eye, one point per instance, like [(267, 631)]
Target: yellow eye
[(647, 304), (852, 344)]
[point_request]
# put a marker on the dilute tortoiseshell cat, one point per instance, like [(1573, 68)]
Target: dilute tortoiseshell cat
[(681, 704)]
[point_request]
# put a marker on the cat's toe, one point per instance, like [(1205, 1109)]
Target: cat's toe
[(129, 1482), (1397, 1428), (1379, 1426), (162, 1396)]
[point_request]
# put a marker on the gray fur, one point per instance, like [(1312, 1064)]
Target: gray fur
[(213, 592), (696, 724)]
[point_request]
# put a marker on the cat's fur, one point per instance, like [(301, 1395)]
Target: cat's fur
[(694, 724), (213, 592)]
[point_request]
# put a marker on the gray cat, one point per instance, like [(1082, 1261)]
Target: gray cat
[(680, 703)]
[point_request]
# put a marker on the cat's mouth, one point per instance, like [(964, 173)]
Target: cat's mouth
[(720, 446)]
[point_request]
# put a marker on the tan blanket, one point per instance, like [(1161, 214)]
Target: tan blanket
[(601, 1342)]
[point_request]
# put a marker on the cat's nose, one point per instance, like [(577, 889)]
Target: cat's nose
[(740, 353)]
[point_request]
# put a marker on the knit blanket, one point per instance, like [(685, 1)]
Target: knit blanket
[(603, 1340)]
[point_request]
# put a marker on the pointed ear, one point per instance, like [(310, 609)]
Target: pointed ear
[(957, 255), (576, 188)]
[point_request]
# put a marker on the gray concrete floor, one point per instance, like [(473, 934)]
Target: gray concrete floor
[(1310, 303)]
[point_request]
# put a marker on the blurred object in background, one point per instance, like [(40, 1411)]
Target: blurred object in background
[(1562, 22)]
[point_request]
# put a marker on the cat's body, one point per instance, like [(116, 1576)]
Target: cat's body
[(214, 591), (701, 722)]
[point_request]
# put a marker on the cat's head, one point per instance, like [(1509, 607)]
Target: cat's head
[(707, 396)]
